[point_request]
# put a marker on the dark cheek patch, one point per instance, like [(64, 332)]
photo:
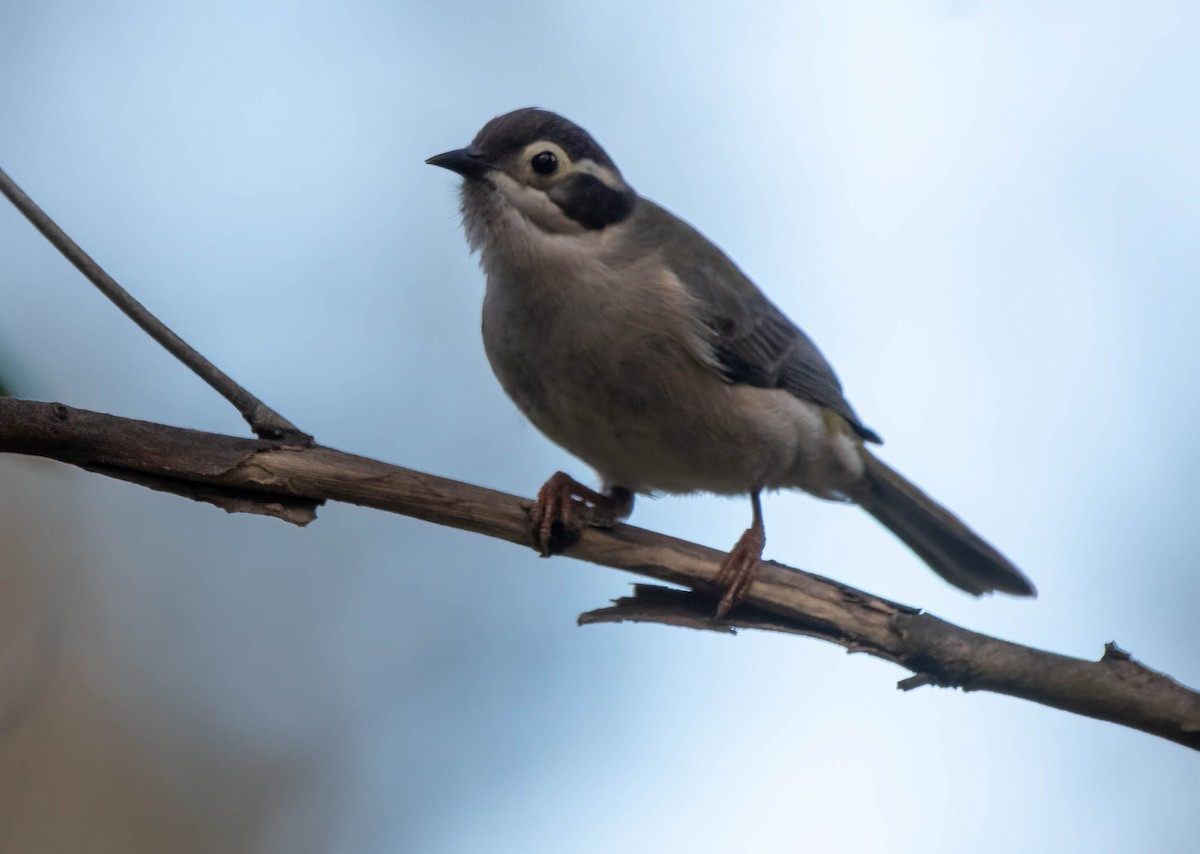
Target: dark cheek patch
[(592, 203)]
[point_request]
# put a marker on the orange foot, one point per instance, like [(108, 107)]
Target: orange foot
[(740, 565), (564, 506)]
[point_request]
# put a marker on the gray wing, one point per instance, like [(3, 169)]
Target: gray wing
[(752, 340)]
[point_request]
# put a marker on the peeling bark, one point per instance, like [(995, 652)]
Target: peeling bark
[(289, 481)]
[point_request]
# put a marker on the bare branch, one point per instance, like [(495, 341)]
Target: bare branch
[(264, 421), (194, 464)]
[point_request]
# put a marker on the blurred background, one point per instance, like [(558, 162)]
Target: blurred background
[(986, 214)]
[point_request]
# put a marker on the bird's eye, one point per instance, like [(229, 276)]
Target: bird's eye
[(544, 163)]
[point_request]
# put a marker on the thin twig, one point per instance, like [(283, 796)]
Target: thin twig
[(1115, 688), (264, 421)]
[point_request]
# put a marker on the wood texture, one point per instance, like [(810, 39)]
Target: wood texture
[(289, 481)]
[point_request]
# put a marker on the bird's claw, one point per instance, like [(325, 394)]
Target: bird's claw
[(555, 515), (739, 568), (564, 506)]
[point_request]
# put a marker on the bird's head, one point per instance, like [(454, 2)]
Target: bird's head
[(544, 167)]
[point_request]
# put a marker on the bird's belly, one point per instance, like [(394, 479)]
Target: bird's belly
[(646, 415)]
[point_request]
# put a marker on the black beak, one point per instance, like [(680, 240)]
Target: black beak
[(465, 161)]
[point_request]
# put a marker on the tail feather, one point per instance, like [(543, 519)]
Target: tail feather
[(939, 538)]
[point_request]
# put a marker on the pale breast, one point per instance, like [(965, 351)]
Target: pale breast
[(608, 364)]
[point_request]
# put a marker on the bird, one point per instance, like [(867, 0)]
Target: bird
[(632, 341)]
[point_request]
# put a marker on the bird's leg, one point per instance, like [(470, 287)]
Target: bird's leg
[(738, 568), (564, 506)]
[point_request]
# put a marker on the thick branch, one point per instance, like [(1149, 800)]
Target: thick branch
[(264, 474), (263, 420)]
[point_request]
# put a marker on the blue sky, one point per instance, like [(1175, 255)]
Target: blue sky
[(986, 216)]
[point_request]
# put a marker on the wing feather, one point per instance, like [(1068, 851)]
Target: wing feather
[(752, 341)]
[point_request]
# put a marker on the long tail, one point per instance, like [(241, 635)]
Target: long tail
[(951, 549)]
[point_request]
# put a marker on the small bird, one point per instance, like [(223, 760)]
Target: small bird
[(632, 341)]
